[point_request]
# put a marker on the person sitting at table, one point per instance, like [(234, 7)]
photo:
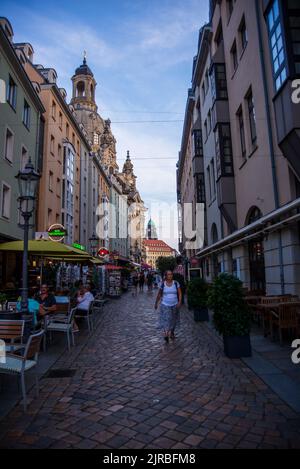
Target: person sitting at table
[(47, 301), (84, 299)]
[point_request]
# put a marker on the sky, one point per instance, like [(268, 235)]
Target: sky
[(141, 53)]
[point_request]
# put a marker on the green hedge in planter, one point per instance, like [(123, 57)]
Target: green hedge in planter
[(197, 293), (231, 312)]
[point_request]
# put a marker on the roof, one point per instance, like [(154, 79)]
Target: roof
[(157, 243), (84, 69)]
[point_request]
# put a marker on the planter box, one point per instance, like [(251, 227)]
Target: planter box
[(201, 314), (237, 346)]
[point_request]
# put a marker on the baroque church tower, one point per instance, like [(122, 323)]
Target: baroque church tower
[(99, 130)]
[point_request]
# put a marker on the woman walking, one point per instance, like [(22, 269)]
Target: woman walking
[(142, 281), (170, 297)]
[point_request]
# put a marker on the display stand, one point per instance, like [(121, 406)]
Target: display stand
[(114, 282)]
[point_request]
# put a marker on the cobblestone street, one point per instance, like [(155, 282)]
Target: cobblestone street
[(130, 390)]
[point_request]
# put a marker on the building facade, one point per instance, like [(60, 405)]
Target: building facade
[(247, 59), (154, 249), (21, 137), (21, 125), (136, 211)]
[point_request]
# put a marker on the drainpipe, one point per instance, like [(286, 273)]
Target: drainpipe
[(270, 137)]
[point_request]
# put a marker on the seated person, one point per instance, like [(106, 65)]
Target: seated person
[(84, 299), (47, 301)]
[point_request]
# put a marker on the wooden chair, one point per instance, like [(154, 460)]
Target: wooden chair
[(11, 331), (20, 365), (285, 319)]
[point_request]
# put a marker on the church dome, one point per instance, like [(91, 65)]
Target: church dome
[(84, 69)]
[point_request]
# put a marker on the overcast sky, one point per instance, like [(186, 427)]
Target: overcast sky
[(140, 52)]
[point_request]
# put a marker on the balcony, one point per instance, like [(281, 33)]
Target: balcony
[(287, 116)]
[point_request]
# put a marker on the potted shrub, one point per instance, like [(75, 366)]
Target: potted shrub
[(232, 317), (197, 299)]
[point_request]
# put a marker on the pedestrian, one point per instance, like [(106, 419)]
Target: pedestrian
[(142, 281), (169, 297), (135, 282), (150, 282)]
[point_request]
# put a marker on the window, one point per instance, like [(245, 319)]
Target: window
[(73, 139), (278, 54), (206, 82), (234, 57), (24, 158), (219, 82), (213, 178), (12, 93), (203, 91), (96, 138), (209, 182), (229, 8), (223, 143), (59, 153), (67, 130), (219, 35), (60, 120), (52, 142), (205, 130), (9, 146), (294, 31), (252, 117), (49, 217), (209, 122), (53, 110), (26, 114), (50, 181), (242, 131), (243, 34), (198, 145), (5, 201), (58, 188)]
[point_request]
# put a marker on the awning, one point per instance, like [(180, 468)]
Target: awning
[(44, 248), (262, 226)]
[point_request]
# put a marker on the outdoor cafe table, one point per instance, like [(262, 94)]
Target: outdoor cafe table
[(269, 308)]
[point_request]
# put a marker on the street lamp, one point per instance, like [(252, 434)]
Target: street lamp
[(93, 244), (28, 180)]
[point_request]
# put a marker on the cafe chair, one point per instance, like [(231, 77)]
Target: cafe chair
[(20, 365)]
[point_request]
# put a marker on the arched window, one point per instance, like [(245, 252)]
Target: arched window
[(254, 214), (214, 233), (92, 92), (80, 89)]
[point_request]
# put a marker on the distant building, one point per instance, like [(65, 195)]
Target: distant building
[(154, 249), (151, 230)]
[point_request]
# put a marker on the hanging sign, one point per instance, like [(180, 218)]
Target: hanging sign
[(57, 232)]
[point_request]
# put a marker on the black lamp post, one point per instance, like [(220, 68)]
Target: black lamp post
[(28, 180), (93, 244)]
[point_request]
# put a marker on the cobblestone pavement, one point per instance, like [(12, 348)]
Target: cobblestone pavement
[(130, 390)]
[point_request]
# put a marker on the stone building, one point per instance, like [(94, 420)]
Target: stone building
[(248, 128)]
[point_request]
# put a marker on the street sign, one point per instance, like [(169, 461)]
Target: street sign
[(103, 252), (57, 232), (79, 246)]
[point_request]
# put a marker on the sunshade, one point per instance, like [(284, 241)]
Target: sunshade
[(44, 248)]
